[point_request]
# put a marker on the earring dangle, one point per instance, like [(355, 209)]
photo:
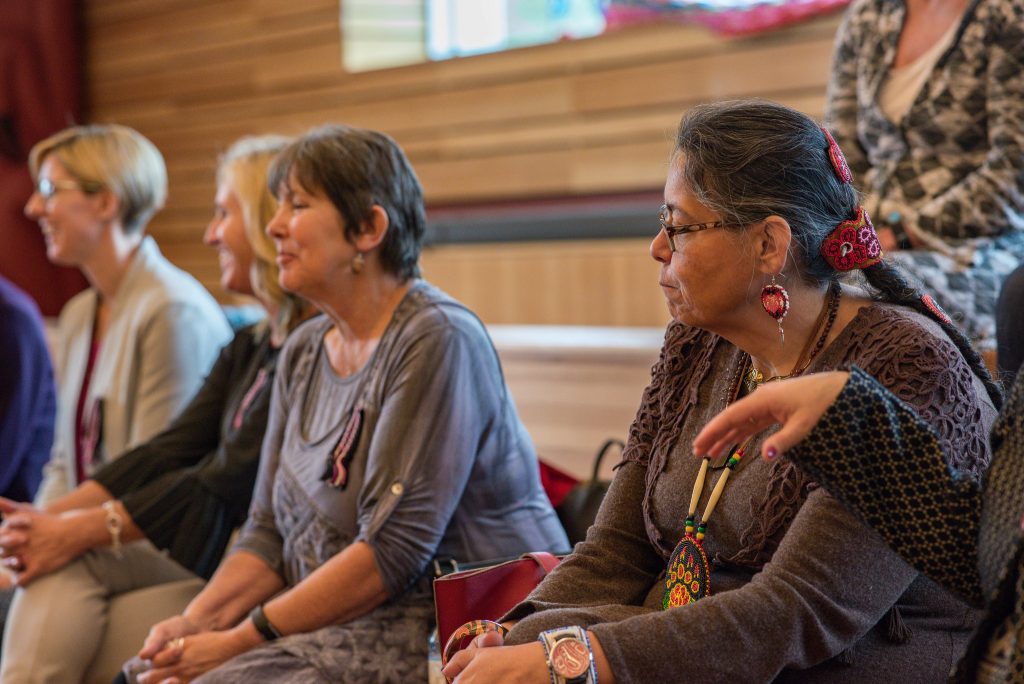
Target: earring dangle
[(358, 262), (775, 301)]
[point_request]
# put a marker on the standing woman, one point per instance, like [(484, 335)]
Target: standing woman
[(134, 347), (392, 440), (178, 496)]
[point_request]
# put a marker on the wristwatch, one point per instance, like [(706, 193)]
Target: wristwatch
[(570, 659)]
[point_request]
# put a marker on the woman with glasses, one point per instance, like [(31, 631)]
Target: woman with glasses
[(179, 495), (133, 347), (723, 566)]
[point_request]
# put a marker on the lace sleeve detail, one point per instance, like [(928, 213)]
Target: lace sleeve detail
[(901, 486), (928, 373)]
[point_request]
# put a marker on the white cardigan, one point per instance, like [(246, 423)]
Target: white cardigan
[(165, 332)]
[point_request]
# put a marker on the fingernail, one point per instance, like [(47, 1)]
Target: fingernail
[(772, 453)]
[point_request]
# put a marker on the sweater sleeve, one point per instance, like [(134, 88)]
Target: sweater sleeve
[(928, 518), (613, 565), (188, 438), (809, 603), (195, 466), (443, 395)]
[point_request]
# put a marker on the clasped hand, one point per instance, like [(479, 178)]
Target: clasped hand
[(487, 659), (34, 543), (176, 651)]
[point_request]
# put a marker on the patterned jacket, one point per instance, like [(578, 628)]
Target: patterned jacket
[(967, 539), (954, 166)]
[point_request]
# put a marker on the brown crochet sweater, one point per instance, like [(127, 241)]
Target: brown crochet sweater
[(796, 580)]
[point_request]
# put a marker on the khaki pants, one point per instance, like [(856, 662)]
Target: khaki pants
[(57, 624)]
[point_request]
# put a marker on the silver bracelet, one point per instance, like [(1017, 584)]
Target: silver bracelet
[(114, 525)]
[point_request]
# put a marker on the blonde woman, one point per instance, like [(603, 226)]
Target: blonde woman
[(184, 491), (134, 347)]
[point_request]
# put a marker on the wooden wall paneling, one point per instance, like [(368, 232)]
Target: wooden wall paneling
[(577, 117), (576, 387), (586, 282)]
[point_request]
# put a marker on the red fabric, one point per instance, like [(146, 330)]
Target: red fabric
[(86, 429), (737, 21), (557, 483), (487, 593), (40, 93)]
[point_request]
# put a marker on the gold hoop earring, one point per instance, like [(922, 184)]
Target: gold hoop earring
[(358, 263)]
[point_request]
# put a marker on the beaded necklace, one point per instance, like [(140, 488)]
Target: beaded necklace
[(688, 577)]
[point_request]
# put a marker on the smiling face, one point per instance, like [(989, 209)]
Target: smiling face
[(706, 280), (70, 219), (312, 253), (226, 232)]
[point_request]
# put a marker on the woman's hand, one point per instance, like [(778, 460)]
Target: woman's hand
[(163, 632), (182, 659), (795, 404), (33, 543), (481, 662)]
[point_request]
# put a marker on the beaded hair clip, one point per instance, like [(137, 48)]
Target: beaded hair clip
[(838, 160), (934, 307), (853, 244)]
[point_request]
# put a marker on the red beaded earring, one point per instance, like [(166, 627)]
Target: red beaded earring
[(775, 301)]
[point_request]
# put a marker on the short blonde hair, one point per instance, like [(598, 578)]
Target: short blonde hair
[(114, 157), (243, 169)]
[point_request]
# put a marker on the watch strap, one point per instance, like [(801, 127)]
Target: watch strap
[(263, 625)]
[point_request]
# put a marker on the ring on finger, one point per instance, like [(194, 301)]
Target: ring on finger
[(178, 643)]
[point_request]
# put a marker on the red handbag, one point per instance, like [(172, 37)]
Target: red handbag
[(487, 593)]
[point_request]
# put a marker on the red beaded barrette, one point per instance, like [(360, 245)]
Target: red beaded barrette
[(853, 244), (838, 160), (934, 307)]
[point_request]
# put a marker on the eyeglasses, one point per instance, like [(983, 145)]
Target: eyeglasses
[(48, 188), (673, 232)]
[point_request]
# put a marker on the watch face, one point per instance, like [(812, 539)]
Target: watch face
[(570, 658)]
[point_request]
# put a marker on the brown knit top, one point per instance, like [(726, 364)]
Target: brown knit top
[(796, 579)]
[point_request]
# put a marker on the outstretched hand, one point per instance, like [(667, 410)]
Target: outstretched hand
[(795, 404)]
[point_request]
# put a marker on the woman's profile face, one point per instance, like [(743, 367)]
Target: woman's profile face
[(706, 277), (226, 232), (313, 255), (68, 217)]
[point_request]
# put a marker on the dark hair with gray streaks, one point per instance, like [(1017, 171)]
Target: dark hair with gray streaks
[(749, 159), (356, 168)]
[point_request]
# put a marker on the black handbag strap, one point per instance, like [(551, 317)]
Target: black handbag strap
[(608, 444)]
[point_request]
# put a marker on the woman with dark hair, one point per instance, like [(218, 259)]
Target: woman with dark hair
[(163, 512), (392, 440), (759, 226)]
